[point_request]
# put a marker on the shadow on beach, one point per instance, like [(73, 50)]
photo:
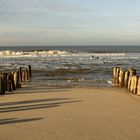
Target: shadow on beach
[(34, 104), (30, 90), (16, 120)]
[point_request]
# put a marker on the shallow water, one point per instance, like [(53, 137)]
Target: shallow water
[(70, 67)]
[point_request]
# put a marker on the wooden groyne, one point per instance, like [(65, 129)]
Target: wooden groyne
[(126, 79), (12, 79)]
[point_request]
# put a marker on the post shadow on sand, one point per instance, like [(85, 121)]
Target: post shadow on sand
[(35, 104), (36, 90), (16, 120), (33, 101)]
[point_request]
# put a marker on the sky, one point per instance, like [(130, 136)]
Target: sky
[(69, 22)]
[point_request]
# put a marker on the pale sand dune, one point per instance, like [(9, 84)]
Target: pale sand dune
[(70, 114)]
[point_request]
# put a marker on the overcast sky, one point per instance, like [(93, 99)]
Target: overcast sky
[(69, 22)]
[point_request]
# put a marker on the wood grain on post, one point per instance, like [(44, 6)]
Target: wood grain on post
[(132, 72), (126, 79), (15, 78), (135, 84), (12, 81), (4, 76), (138, 86), (30, 71), (129, 81), (23, 75), (121, 78), (1, 85), (2, 89), (18, 79), (9, 85), (116, 75), (20, 74)]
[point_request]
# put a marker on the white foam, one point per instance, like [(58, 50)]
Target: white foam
[(9, 53), (110, 82)]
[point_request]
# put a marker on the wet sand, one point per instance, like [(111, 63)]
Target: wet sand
[(70, 114)]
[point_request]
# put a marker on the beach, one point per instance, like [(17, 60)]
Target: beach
[(40, 113)]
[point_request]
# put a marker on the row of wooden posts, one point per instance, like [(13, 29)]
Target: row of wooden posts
[(127, 79), (11, 80)]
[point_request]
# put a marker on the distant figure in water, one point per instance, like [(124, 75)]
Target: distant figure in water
[(95, 57)]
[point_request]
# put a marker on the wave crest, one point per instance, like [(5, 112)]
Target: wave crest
[(10, 53)]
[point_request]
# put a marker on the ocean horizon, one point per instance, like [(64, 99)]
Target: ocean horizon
[(109, 48)]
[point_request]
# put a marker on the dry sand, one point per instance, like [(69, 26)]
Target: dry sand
[(70, 114)]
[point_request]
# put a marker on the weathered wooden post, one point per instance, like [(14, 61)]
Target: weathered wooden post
[(15, 78), (121, 78), (20, 74), (126, 78), (23, 75), (1, 85), (12, 81), (138, 86), (133, 87), (2, 88), (26, 74), (116, 75), (132, 73), (4, 76), (9, 86), (18, 79), (29, 71)]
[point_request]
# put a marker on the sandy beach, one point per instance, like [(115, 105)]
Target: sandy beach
[(70, 114)]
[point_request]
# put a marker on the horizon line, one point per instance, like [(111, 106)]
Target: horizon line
[(66, 45)]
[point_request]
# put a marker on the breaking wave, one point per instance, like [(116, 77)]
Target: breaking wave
[(10, 53)]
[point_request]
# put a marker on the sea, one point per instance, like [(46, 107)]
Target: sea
[(71, 66)]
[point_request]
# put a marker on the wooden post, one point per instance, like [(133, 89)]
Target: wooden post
[(30, 71), (116, 75), (9, 88), (126, 79), (2, 88), (138, 86), (135, 84), (12, 81), (131, 80), (18, 79), (4, 76), (121, 78), (15, 78), (20, 74), (23, 75)]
